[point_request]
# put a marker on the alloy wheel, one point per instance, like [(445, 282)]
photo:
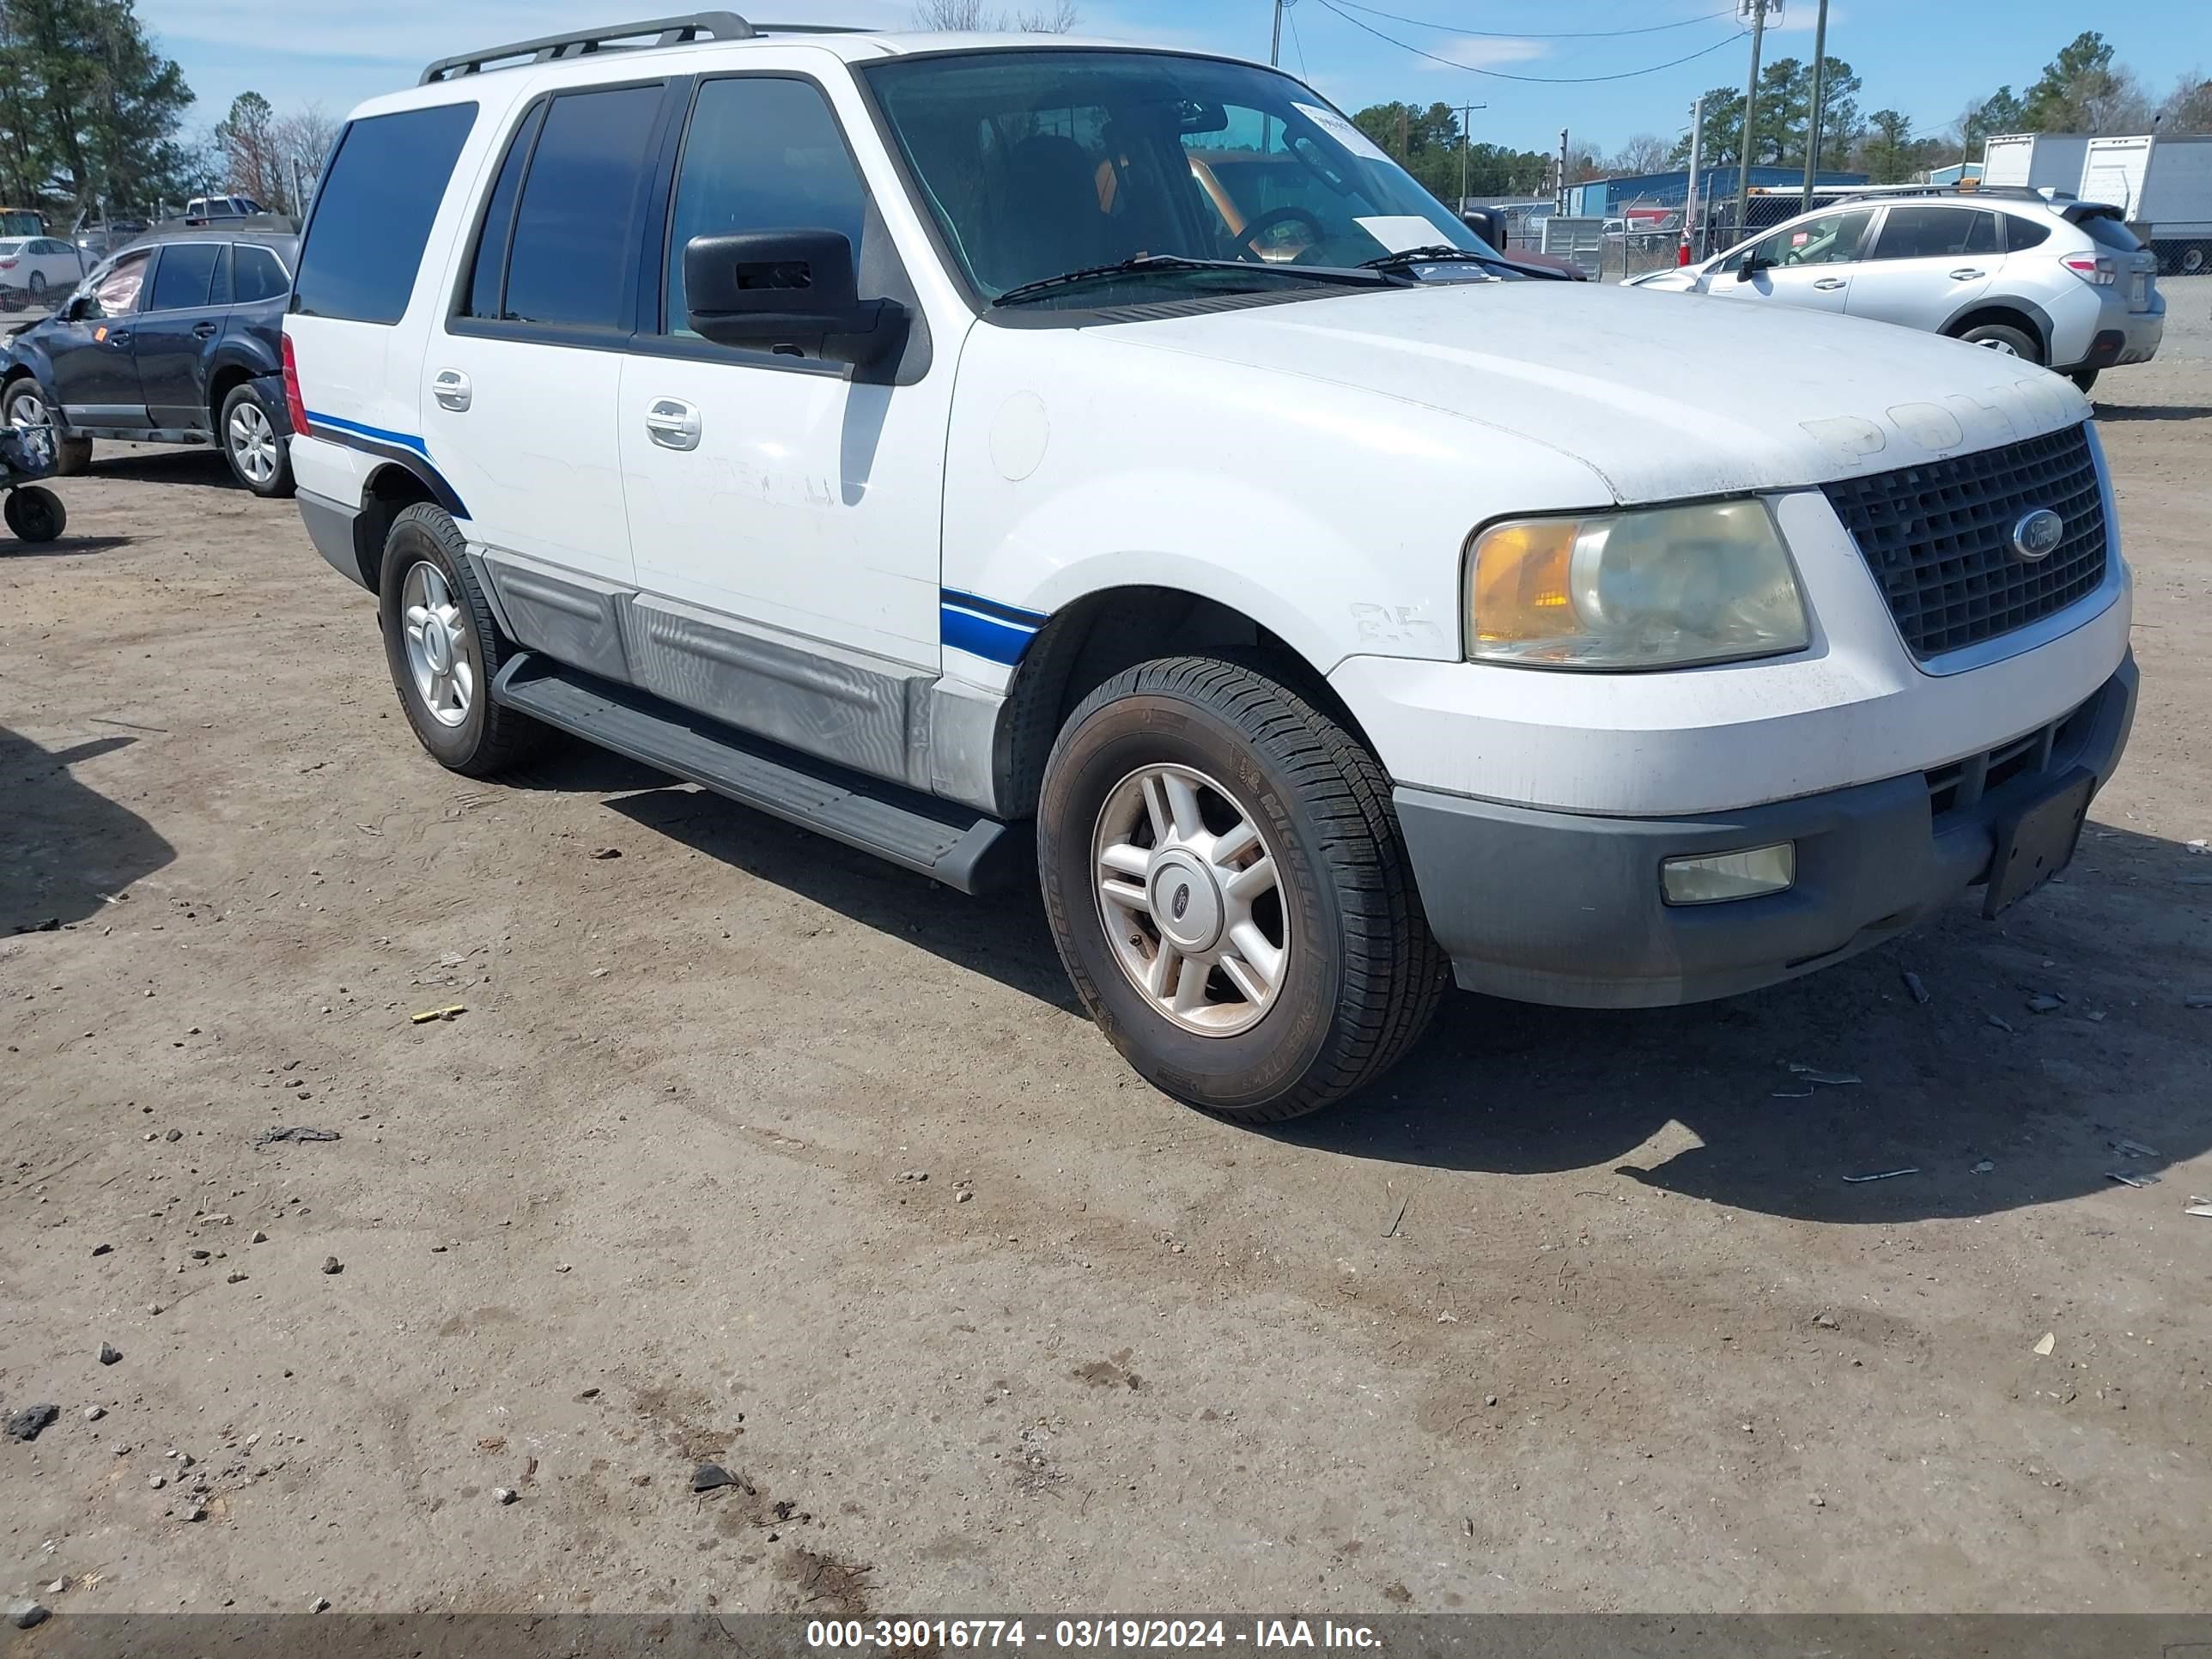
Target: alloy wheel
[(440, 644)]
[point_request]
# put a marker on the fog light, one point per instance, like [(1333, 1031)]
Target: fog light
[(1712, 877)]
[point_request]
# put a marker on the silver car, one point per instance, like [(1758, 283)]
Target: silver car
[(2062, 283)]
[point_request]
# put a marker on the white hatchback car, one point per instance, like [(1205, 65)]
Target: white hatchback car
[(2062, 283), (891, 433)]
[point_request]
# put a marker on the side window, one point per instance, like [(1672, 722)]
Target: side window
[(1831, 238), (182, 276), (219, 287), (374, 210), (575, 224), (116, 294), (257, 275), (1936, 233), (763, 153), (2022, 234), (488, 268)]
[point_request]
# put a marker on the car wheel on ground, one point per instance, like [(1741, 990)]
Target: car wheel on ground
[(26, 406), (443, 648), (256, 452), (2005, 338), (34, 513), (1226, 884), (38, 285)]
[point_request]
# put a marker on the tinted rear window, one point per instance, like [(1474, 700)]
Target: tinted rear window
[(574, 244), (2022, 234), (2111, 234), (181, 279), (259, 276), (373, 213)]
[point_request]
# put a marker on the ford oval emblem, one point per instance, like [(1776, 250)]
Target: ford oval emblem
[(1181, 900), (2037, 536)]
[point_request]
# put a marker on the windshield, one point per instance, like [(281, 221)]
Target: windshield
[(1036, 164)]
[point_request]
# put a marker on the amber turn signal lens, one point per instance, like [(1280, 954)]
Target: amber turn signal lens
[(1521, 581)]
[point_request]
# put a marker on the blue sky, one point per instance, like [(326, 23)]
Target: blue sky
[(1925, 59)]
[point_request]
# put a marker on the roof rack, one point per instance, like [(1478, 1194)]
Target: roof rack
[(618, 37)]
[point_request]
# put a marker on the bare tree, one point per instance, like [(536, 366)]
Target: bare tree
[(1059, 18), (302, 142), (1643, 153), (2188, 108)]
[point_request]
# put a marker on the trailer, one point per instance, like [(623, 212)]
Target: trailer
[(2165, 187), (2034, 161)]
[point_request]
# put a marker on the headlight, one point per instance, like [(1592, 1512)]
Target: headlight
[(1662, 587)]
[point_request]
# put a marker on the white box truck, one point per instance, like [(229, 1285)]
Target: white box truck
[(2165, 185), (2034, 161)]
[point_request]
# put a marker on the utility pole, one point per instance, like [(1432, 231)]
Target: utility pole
[(1561, 206), (1750, 113), (1275, 47), (1466, 137), (1813, 115), (1690, 203)]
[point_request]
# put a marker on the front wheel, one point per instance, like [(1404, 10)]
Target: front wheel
[(259, 456), (26, 406), (1226, 884)]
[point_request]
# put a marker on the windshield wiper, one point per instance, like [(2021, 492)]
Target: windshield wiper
[(1440, 253), (1146, 263)]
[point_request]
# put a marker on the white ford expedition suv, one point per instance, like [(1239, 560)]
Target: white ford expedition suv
[(955, 443)]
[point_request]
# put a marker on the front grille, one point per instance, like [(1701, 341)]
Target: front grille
[(1938, 539)]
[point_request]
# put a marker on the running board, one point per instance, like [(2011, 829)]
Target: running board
[(918, 832)]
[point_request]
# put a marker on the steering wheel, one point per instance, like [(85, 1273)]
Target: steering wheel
[(1255, 228)]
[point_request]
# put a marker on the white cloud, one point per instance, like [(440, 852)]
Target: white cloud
[(1485, 52)]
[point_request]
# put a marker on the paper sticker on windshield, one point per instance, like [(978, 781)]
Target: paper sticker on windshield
[(1343, 131), (1398, 232)]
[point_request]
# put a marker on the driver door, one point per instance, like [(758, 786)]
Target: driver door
[(1809, 263), (95, 368)]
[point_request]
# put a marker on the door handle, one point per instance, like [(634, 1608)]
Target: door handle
[(672, 423), (1831, 282), (204, 330), (452, 390), (1967, 274), (121, 336)]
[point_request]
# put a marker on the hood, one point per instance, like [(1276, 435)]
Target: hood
[(1664, 396)]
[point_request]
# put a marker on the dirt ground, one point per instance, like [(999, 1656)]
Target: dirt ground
[(1577, 1312)]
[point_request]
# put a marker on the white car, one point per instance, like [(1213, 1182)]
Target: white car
[(2062, 283), (37, 264), (885, 432)]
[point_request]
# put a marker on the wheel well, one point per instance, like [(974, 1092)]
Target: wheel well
[(2007, 317), (1090, 641), (391, 489), (219, 387)]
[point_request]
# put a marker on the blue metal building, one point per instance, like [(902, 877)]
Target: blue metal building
[(1606, 197)]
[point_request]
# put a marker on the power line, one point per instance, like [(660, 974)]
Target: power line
[(1535, 80), (1304, 72), (1535, 34)]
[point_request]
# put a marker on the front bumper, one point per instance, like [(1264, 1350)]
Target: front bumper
[(1565, 907)]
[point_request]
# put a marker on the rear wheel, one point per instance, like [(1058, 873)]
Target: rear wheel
[(443, 648), (2085, 378), (1226, 884), (2193, 259), (2003, 339), (259, 456), (26, 406)]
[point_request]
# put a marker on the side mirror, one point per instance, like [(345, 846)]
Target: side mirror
[(788, 288), (1489, 223), (77, 308)]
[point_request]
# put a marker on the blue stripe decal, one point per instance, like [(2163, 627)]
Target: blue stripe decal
[(405, 441), (1031, 620), (986, 628), (983, 636)]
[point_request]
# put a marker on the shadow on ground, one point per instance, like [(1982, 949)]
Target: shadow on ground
[(61, 547), (64, 845), (194, 466), (1943, 1086), (2153, 411)]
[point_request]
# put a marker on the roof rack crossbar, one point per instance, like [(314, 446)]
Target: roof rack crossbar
[(665, 31)]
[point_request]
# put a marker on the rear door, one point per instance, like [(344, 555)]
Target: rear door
[(1930, 261), (96, 374), (178, 326), (519, 387)]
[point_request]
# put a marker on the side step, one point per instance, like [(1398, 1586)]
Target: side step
[(951, 844)]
